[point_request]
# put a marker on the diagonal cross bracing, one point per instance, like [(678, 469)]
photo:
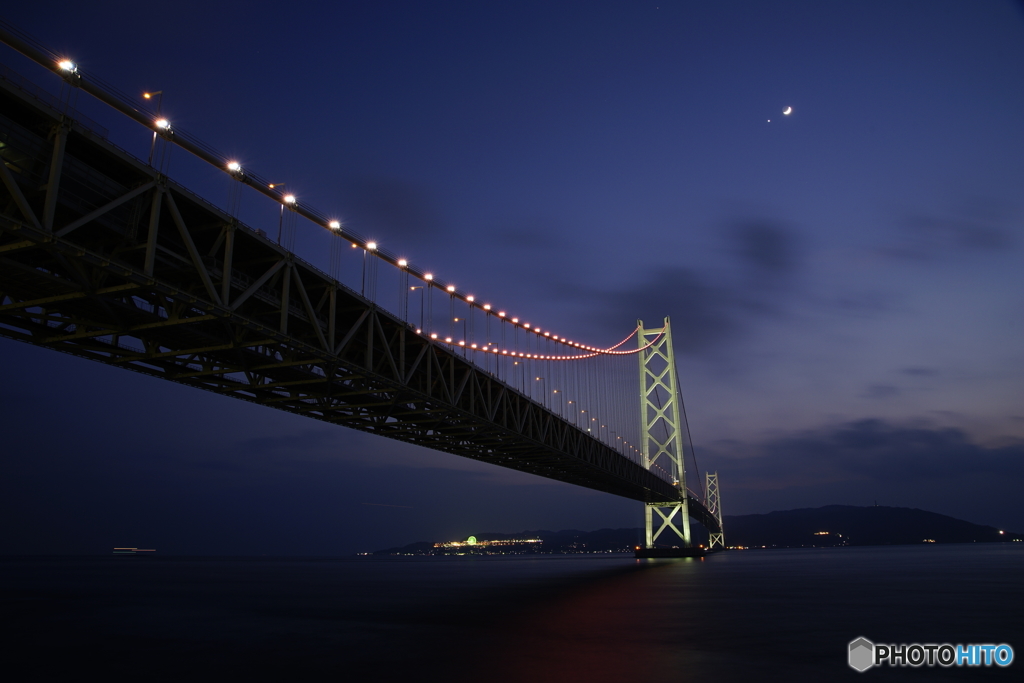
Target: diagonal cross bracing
[(662, 437), (716, 538), (164, 290)]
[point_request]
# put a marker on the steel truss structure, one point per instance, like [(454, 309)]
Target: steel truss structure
[(713, 501), (104, 258), (662, 431)]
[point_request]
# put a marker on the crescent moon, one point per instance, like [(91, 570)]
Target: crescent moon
[(789, 110)]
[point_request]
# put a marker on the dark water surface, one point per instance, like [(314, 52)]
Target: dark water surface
[(741, 615)]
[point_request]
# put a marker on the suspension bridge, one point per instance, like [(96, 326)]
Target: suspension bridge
[(105, 257)]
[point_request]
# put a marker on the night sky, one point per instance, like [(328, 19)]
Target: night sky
[(846, 283)]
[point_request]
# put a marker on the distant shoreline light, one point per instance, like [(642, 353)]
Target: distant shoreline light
[(471, 542)]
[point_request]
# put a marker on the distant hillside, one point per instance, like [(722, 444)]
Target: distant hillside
[(849, 525), (829, 526)]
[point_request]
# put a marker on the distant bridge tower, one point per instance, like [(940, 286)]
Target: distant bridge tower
[(661, 430), (714, 505)]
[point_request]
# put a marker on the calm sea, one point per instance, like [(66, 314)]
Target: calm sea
[(736, 616)]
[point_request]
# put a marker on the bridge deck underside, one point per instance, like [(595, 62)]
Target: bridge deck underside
[(103, 258)]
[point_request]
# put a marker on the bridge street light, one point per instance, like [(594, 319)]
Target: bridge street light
[(369, 249), (280, 221), (403, 289), (159, 94), (289, 200), (451, 310), (334, 229), (464, 337), (421, 288)]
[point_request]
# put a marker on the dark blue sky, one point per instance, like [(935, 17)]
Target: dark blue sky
[(846, 284)]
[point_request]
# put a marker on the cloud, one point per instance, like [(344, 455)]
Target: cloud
[(874, 451), (863, 304), (975, 228), (768, 249), (529, 238), (715, 306), (920, 372), (881, 391), (875, 461), (394, 211), (953, 233), (707, 311)]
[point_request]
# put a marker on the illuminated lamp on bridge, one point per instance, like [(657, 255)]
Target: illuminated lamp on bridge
[(159, 95), (315, 340), (334, 225)]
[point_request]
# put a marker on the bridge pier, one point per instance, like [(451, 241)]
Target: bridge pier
[(648, 553), (673, 517), (676, 519)]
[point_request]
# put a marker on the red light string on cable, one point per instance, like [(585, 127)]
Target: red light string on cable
[(569, 378), (492, 348), (162, 127)]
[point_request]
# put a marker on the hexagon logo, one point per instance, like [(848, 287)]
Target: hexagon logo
[(862, 654)]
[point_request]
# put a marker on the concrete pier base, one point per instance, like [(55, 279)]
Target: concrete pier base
[(669, 552)]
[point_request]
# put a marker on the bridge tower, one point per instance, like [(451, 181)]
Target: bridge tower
[(713, 502), (661, 430)]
